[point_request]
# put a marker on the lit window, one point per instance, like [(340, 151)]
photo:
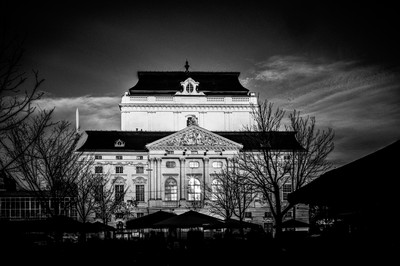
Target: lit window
[(194, 164), (194, 189), (98, 157), (98, 169), (216, 188), (119, 169), (139, 169), (171, 189), (217, 164), (170, 164)]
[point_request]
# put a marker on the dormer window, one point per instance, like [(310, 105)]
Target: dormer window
[(190, 87), (119, 144)]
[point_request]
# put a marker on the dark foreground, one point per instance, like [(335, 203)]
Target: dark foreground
[(304, 251)]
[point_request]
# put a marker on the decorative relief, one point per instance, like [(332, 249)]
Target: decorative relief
[(193, 138), (139, 180)]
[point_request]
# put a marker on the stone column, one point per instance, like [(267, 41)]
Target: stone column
[(206, 175), (182, 178), (158, 183), (150, 173)]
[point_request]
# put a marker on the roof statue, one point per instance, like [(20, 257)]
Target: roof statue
[(187, 66)]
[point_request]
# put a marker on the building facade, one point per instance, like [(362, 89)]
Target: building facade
[(178, 130)]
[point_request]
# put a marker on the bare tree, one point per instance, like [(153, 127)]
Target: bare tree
[(231, 193), (16, 101), (274, 171), (318, 145), (48, 164), (85, 184), (108, 201)]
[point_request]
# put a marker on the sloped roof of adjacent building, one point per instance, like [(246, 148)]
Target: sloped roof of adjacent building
[(104, 141), (168, 82)]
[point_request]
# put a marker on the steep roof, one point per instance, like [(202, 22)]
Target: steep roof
[(368, 181), (210, 83), (104, 141)]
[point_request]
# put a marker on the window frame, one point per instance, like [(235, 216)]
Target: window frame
[(191, 164), (168, 164), (171, 190)]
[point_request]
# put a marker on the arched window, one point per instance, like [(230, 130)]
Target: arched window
[(171, 189), (217, 164), (194, 189), (216, 187), (189, 88)]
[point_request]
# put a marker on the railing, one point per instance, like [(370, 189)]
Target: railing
[(240, 99), (138, 98), (164, 98), (215, 99)]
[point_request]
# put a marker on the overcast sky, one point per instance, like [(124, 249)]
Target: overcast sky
[(337, 62)]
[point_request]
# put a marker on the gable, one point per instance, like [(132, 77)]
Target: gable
[(194, 138)]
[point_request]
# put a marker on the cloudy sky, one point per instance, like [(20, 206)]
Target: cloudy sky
[(337, 62)]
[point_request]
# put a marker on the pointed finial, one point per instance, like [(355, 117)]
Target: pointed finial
[(187, 66)]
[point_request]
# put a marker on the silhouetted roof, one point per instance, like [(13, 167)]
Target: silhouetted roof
[(369, 181), (211, 83), (190, 219), (149, 220), (103, 141)]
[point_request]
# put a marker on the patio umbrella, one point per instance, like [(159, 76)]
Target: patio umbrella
[(98, 227), (292, 223), (190, 219), (233, 223), (149, 220)]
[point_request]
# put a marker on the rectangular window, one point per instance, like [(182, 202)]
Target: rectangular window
[(140, 214), (287, 188), (119, 169), (98, 169), (139, 157), (170, 152), (118, 157), (139, 192), (119, 192), (98, 157), (139, 169), (268, 215), (247, 215), (194, 152)]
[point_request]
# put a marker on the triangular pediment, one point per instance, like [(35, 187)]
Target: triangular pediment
[(194, 138)]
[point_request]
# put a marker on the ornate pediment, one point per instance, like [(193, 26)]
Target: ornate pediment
[(194, 138)]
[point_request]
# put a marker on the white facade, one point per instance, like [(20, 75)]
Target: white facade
[(170, 113)]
